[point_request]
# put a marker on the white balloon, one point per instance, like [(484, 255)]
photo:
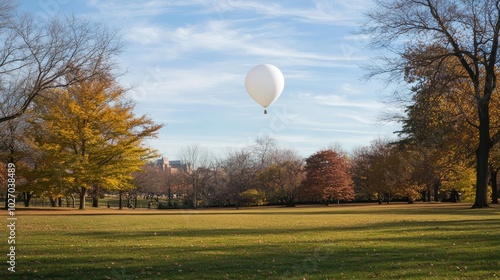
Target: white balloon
[(264, 84)]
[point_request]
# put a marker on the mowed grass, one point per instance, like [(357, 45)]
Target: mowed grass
[(421, 241)]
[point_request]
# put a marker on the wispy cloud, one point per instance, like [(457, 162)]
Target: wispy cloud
[(132, 9), (342, 101), (188, 60), (324, 11), (233, 40), (319, 11)]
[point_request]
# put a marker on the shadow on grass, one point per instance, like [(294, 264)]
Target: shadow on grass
[(465, 248), (356, 209), (447, 228)]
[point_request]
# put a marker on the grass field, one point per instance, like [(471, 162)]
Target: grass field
[(421, 241)]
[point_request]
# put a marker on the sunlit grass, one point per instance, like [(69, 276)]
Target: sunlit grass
[(440, 241)]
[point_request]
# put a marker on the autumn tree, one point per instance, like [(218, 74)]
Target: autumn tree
[(407, 172), (445, 32), (328, 177), (440, 123), (283, 178), (426, 170), (370, 170), (360, 170), (89, 137), (38, 54)]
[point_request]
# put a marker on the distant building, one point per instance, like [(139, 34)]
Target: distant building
[(171, 166)]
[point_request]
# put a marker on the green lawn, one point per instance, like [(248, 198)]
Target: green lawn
[(421, 241)]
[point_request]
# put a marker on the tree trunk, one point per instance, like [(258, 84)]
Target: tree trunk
[(195, 202), (72, 201), (436, 191), (494, 187), (95, 201), (482, 156), (169, 196), (83, 193), (120, 205), (53, 201), (95, 196), (195, 205), (27, 198)]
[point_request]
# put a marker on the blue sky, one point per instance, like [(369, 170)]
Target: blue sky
[(187, 61)]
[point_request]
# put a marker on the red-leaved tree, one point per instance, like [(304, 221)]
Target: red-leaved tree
[(328, 177)]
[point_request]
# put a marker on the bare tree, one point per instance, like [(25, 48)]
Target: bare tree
[(36, 54), (198, 161), (430, 34), (14, 148), (239, 169), (242, 166), (264, 151)]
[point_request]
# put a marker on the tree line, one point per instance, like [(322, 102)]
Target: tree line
[(259, 174), (266, 174)]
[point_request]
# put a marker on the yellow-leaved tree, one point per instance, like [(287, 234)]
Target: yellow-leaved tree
[(88, 137)]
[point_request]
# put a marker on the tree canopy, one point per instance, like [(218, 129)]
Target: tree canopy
[(328, 177), (447, 47), (88, 135)]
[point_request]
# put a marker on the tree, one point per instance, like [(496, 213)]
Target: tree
[(494, 170), (37, 55), (458, 179), (170, 180), (427, 170), (148, 181), (13, 149), (463, 33), (406, 173), (197, 173), (264, 151), (239, 170), (89, 137), (370, 170), (360, 171), (328, 177), (282, 180)]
